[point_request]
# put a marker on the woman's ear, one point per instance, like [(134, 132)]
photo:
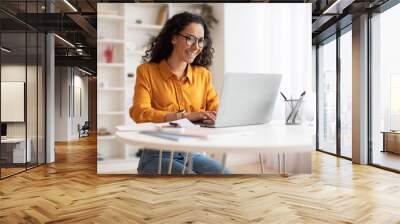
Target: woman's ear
[(174, 39)]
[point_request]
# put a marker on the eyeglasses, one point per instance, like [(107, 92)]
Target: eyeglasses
[(190, 40)]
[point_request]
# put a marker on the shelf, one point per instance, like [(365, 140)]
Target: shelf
[(111, 17), (110, 41), (111, 89), (111, 113), (145, 26), (111, 65), (106, 137), (148, 4), (140, 52)]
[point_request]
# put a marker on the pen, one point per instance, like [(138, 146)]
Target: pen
[(174, 124), (283, 95), (296, 108)]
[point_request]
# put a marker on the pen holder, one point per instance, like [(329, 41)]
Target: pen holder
[(293, 111)]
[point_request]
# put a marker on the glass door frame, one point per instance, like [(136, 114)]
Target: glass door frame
[(338, 34), (387, 5), (30, 29)]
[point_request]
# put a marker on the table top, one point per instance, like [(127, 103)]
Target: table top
[(272, 137), (391, 132), (13, 140)]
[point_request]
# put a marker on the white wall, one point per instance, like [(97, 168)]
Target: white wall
[(271, 38), (61, 104), (218, 37), (33, 127), (17, 73), (67, 83)]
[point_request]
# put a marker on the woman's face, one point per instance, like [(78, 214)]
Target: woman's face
[(193, 32)]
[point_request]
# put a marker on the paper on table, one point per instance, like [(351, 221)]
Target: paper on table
[(137, 127), (148, 126), (185, 123)]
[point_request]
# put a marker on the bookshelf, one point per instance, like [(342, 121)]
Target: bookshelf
[(110, 78), (126, 28)]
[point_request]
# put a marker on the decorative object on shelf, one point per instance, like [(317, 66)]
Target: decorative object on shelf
[(103, 84), (206, 11), (162, 15), (108, 53), (138, 21), (100, 157), (103, 132), (130, 46)]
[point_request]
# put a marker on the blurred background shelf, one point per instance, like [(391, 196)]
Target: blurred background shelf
[(126, 29), (117, 89), (110, 41), (115, 18), (111, 65), (145, 26), (110, 113)]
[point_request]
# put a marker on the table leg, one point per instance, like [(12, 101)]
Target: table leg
[(284, 165), (185, 162), (190, 161), (159, 162), (171, 158), (279, 163), (223, 163), (261, 162)]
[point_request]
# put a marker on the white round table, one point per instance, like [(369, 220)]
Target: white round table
[(272, 137)]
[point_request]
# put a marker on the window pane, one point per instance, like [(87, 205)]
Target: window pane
[(327, 96), (346, 94), (386, 88), (13, 84), (31, 97)]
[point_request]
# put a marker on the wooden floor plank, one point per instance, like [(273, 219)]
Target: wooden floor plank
[(70, 191)]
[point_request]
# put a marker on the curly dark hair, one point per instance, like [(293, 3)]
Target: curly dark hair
[(161, 47)]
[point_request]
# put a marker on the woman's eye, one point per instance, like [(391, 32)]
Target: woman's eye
[(191, 40)]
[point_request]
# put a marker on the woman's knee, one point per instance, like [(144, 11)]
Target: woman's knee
[(206, 165)]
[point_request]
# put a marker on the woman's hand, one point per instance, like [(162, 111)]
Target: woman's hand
[(204, 116)]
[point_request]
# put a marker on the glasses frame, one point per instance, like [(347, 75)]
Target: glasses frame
[(197, 40)]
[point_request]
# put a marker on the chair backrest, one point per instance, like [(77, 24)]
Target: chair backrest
[(86, 125)]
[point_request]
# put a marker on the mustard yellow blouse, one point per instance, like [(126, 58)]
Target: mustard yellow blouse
[(159, 92)]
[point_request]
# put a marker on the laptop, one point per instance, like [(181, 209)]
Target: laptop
[(246, 99)]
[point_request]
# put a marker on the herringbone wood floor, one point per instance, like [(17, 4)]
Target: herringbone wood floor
[(70, 191)]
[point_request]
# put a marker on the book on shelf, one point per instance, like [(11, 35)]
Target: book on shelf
[(162, 15)]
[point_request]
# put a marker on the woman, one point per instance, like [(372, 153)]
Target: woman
[(174, 83)]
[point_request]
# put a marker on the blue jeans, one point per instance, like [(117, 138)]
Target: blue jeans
[(149, 159)]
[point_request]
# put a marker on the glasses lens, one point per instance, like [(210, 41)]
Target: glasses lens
[(202, 42), (190, 40)]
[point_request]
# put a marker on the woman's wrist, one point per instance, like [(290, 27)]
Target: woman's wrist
[(180, 115)]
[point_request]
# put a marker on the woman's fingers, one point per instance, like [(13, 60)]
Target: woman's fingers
[(210, 116), (208, 122), (202, 116)]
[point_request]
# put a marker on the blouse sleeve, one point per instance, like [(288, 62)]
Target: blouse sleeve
[(142, 111)]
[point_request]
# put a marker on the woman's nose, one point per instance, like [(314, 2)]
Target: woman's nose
[(196, 46)]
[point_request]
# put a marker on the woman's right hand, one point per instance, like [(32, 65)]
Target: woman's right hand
[(208, 116)]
